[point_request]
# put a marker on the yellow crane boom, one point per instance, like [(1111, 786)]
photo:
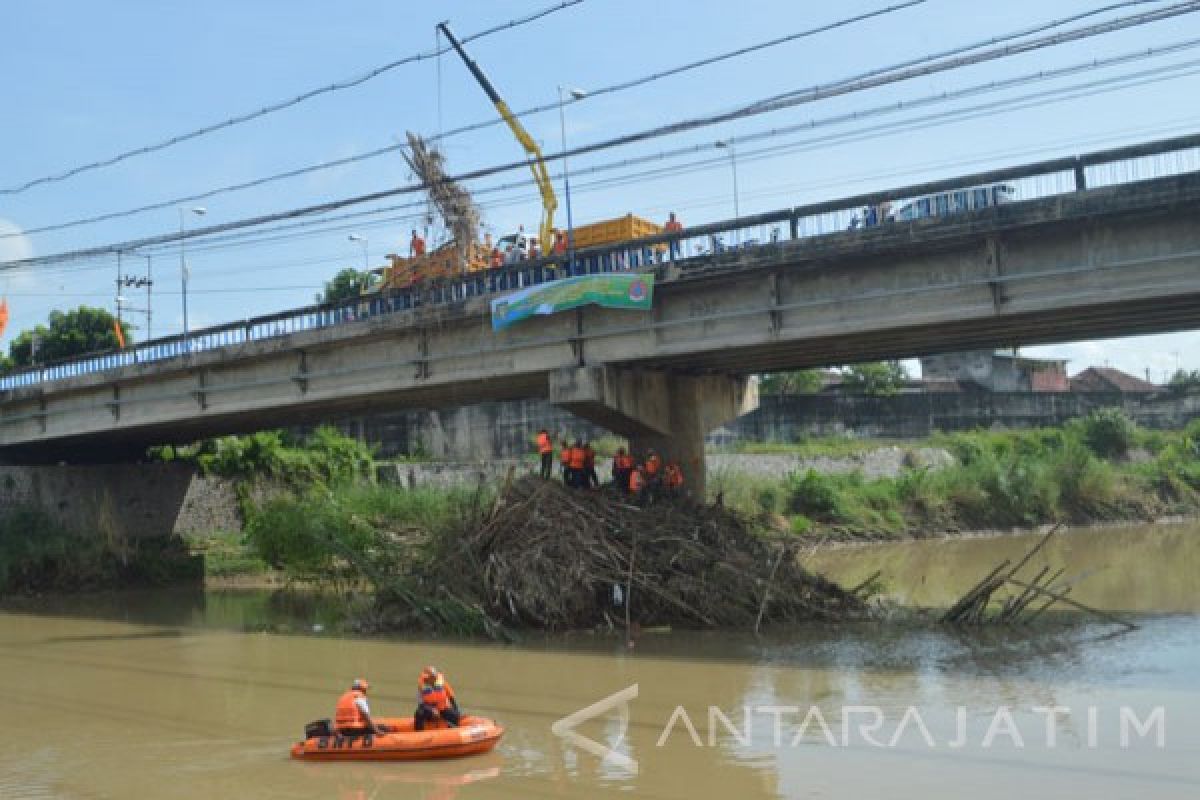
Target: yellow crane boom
[(541, 175)]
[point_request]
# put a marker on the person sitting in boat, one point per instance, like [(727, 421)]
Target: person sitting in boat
[(435, 700), (353, 715)]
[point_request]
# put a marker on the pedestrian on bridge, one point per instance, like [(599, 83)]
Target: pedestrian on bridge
[(673, 225)]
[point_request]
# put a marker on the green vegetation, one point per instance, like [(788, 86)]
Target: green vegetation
[(1185, 379), (346, 285), (39, 555), (326, 456), (69, 333), (1098, 468), (880, 378), (815, 447)]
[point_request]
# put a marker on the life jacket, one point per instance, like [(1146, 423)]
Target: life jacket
[(497, 258), (438, 695), (589, 457), (636, 481), (652, 465), (673, 475), (348, 715), (564, 456), (418, 246), (673, 225), (578, 458), (623, 461), (544, 445)]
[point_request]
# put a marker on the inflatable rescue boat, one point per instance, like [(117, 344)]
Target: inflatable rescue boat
[(401, 743)]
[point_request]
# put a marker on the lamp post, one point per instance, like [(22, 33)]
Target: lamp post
[(577, 94), (728, 144), (199, 211), (355, 237)]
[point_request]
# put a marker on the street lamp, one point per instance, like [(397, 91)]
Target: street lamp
[(728, 144), (199, 211), (576, 94), (354, 237)]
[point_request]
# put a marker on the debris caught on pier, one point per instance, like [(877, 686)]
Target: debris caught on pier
[(1026, 600)]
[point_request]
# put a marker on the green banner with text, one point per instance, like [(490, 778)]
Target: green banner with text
[(628, 290)]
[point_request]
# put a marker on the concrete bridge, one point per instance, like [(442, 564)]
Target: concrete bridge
[(1076, 263)]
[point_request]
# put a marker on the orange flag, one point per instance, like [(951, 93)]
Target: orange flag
[(120, 334), (3, 315)]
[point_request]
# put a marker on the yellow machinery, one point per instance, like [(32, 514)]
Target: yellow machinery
[(540, 175)]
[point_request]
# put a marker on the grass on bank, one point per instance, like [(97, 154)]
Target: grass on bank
[(1098, 468)]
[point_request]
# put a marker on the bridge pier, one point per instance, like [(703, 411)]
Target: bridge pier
[(669, 412)]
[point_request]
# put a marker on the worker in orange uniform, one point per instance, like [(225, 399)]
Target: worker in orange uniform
[(590, 479), (435, 700), (577, 465), (564, 461), (653, 469), (352, 716), (497, 258), (674, 226), (560, 243), (622, 466), (673, 478), (545, 449), (416, 245), (637, 484)]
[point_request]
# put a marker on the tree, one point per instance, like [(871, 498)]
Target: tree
[(68, 333), (800, 381), (346, 285), (1182, 379), (879, 378)]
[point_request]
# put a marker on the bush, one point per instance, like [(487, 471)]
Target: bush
[(814, 494), (801, 525), (1108, 432)]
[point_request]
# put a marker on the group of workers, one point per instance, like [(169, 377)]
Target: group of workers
[(650, 478), (435, 701)]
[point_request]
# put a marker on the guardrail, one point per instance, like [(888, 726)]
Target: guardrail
[(1175, 156)]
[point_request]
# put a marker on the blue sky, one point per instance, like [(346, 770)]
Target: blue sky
[(83, 81)]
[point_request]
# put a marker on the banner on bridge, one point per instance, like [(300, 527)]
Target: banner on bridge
[(629, 290)]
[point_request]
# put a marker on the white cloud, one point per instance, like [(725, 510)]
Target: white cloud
[(13, 248)]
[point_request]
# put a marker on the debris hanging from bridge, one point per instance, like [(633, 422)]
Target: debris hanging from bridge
[(546, 557), (451, 199)]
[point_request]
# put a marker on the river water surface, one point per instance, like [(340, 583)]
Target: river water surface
[(177, 695)]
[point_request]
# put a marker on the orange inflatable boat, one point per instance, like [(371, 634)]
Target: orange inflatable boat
[(402, 743)]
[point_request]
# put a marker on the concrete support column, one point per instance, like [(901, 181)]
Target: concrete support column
[(667, 412)]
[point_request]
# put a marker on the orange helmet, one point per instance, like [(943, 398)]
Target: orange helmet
[(360, 685)]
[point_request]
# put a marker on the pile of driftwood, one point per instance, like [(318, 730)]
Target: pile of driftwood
[(558, 559), (1024, 599)]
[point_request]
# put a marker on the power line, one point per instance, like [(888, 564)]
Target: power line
[(616, 87), (759, 107), (278, 106), (491, 121), (239, 239)]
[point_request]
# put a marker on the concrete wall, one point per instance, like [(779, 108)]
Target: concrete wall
[(914, 415), (124, 501)]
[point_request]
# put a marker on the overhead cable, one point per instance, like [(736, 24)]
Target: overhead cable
[(277, 106), (756, 108)]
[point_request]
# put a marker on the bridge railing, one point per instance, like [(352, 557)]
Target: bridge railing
[(693, 247)]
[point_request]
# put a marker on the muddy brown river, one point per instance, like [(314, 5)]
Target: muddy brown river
[(177, 695)]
